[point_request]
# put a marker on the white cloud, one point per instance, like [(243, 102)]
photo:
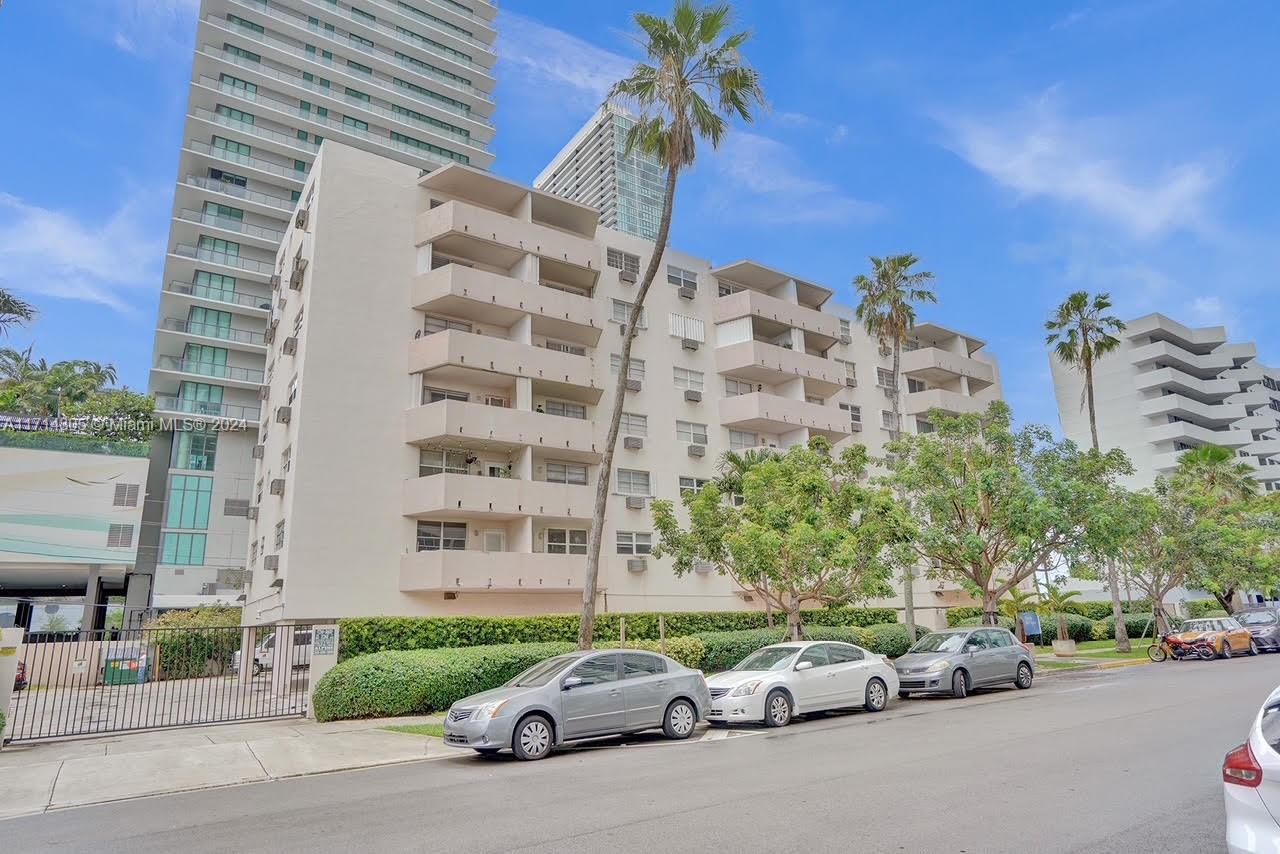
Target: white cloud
[(1078, 162), (144, 28), (53, 253), (1212, 311), (536, 55)]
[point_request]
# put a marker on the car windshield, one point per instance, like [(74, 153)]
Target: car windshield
[(769, 658), (940, 642), (1200, 626), (1256, 618), (542, 672)]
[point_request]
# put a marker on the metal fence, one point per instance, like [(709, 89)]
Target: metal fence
[(118, 680)]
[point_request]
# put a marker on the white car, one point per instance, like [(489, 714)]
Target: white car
[(264, 655), (1251, 784), (775, 683)]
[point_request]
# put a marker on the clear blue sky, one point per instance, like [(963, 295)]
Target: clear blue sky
[(1022, 150)]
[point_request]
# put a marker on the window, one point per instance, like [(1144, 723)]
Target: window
[(238, 151), (637, 664), (686, 378), (218, 246), (688, 431), (597, 671), (855, 412), (459, 106), (923, 426), (432, 395), (279, 538), (692, 484), (422, 118), (565, 409), (914, 385), (119, 536), (240, 52), (228, 178), (815, 655), (814, 399), (356, 124), (887, 420), (843, 654), (248, 25), (558, 472), (253, 552), (566, 541), (437, 461), (740, 440), (562, 347), (286, 459), (844, 328), (297, 320), (635, 542), (426, 146), (438, 536), (733, 388), (727, 288), (182, 549), (623, 261), (681, 277), (363, 69), (126, 495), (850, 370), (632, 482), (217, 211), (884, 378), (238, 84), (234, 114), (633, 424), (188, 501), (683, 326), (293, 390), (622, 313), (635, 370)]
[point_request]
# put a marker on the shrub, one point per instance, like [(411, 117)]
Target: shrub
[(1093, 610), (182, 653), (1203, 608), (689, 651), (1137, 626), (889, 639), (1079, 629), (961, 614), (725, 649), (1004, 621), (403, 682), (374, 634)]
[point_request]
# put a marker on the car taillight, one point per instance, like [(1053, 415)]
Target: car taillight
[(1241, 768)]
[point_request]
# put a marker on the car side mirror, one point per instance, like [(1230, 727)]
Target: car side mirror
[(971, 648), (805, 665), (570, 682)]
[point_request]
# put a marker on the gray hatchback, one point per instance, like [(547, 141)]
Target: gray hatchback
[(955, 661), (580, 695)]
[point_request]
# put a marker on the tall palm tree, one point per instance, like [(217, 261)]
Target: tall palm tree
[(887, 310), (1081, 332), (1218, 471), (693, 83), (13, 311)]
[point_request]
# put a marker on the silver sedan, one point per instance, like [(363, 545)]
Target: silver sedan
[(580, 695)]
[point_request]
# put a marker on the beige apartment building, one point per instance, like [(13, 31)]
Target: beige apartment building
[(442, 350)]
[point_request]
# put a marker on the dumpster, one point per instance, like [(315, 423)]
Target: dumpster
[(124, 664)]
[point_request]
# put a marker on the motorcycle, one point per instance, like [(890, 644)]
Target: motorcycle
[(1171, 646)]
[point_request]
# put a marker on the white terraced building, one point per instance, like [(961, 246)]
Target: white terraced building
[(433, 449), (1171, 387), (409, 80)]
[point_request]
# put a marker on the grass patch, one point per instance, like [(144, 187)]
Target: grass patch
[(1058, 665), (436, 730)]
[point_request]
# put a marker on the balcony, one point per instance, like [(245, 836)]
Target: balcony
[(224, 259), (500, 429), (244, 162), (1193, 387), (484, 297), (466, 350), (269, 236), (516, 236), (227, 374), (1206, 366), (1186, 407), (1265, 419), (1182, 431), (1263, 448), (174, 406), (748, 303), (275, 204), (942, 368), (249, 340), (291, 144), (771, 364), (257, 305), (495, 498), (1251, 400), (1161, 328), (920, 402), (760, 412), (494, 572)]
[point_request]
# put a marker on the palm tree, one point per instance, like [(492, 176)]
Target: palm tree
[(734, 466), (13, 311), (693, 83), (1218, 471), (887, 311), (1054, 603)]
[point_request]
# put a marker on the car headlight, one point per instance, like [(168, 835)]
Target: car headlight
[(746, 689), (487, 711), (937, 666)]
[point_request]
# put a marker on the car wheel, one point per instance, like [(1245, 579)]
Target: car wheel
[(960, 684), (1226, 648), (532, 738), (904, 695), (1024, 676), (777, 708), (680, 720), (257, 669), (877, 696), (1253, 647)]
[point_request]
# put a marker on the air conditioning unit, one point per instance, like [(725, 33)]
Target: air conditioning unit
[(692, 396), (284, 414), (855, 427), (264, 392), (290, 345), (281, 303), (299, 264), (251, 513), (627, 276), (633, 385), (703, 566), (635, 502), (688, 344), (301, 219), (269, 334), (277, 486), (271, 562), (278, 584), (275, 281), (258, 451), (632, 443), (845, 339), (687, 292), (697, 450), (851, 382), (636, 565)]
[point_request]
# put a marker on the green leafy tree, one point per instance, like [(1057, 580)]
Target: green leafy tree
[(13, 311), (694, 81), (117, 413), (990, 504), (809, 530)]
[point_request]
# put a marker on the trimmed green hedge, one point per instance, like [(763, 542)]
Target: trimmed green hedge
[(405, 682), (1203, 608), (375, 634), (891, 639), (1079, 629), (1136, 624), (689, 651), (725, 649), (1093, 610)]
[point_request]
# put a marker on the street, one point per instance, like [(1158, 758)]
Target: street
[(1121, 760)]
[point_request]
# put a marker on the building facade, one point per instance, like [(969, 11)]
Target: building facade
[(431, 446), (596, 169), (1169, 388), (271, 80)]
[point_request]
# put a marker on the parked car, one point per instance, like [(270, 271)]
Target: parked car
[(1225, 634), (1263, 623), (956, 661), (20, 677), (1251, 784), (264, 654), (580, 695), (777, 682)]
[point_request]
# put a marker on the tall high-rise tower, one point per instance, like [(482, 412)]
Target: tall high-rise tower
[(271, 80), (595, 169)]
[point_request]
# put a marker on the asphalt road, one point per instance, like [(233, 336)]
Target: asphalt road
[(1125, 760)]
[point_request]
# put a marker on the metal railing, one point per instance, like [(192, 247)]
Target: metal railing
[(213, 330), (286, 172), (222, 295), (173, 403), (228, 223), (254, 130), (215, 186), (210, 369), (226, 259)]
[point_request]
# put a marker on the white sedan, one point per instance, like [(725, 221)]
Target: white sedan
[(786, 679), (1251, 785)]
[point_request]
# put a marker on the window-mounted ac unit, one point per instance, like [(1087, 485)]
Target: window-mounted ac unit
[(633, 385), (258, 451), (688, 344), (851, 382), (301, 219), (703, 566), (278, 584), (632, 443), (281, 303), (269, 334), (284, 414), (275, 280), (845, 339), (271, 562), (855, 427), (697, 450), (692, 396), (627, 276), (290, 345), (277, 486), (686, 292), (635, 502), (299, 264), (636, 565), (251, 513), (295, 280)]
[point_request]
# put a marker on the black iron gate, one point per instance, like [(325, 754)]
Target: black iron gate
[(118, 680)]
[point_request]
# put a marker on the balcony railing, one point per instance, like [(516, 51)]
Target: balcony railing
[(254, 130), (222, 295), (173, 403), (287, 172), (209, 369), (226, 259), (228, 223), (435, 24), (213, 330), (215, 186)]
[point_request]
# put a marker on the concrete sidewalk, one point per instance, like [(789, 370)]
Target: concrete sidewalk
[(42, 776)]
